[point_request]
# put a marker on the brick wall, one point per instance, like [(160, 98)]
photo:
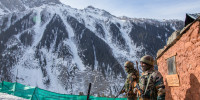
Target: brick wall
[(187, 50)]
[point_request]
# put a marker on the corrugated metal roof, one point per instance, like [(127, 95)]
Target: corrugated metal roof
[(190, 18), (194, 16)]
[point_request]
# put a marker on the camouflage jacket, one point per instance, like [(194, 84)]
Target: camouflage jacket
[(155, 89), (130, 83)]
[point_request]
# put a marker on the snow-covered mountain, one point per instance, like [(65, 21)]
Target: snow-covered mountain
[(48, 44), (9, 6)]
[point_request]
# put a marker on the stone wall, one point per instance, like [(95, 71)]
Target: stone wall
[(173, 37), (187, 51)]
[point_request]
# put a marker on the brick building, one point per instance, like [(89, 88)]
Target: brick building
[(179, 62)]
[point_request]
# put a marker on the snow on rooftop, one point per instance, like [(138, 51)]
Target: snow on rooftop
[(4, 96)]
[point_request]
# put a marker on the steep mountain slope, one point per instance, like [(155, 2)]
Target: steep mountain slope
[(8, 6), (62, 49)]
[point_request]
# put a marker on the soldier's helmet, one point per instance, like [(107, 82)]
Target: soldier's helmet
[(128, 64), (147, 59)]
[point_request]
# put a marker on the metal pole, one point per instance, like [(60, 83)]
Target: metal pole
[(2, 82), (88, 95), (16, 76), (15, 82)]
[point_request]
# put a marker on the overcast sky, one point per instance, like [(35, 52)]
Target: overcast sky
[(156, 9)]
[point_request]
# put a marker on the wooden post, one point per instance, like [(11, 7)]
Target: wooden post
[(88, 95)]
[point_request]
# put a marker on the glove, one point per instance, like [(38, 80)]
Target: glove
[(122, 91), (137, 91)]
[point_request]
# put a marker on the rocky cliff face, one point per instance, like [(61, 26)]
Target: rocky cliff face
[(62, 49)]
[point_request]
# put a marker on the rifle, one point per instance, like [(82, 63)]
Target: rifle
[(119, 92), (137, 67)]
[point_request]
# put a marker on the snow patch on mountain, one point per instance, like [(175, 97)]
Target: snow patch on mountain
[(62, 49)]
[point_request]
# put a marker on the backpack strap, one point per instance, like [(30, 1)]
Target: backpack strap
[(147, 83)]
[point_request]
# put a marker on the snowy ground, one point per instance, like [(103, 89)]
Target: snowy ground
[(4, 96)]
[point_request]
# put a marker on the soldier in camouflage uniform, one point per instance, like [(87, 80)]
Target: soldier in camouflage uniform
[(151, 86), (131, 81)]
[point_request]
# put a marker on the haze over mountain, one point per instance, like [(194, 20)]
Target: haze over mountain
[(48, 44)]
